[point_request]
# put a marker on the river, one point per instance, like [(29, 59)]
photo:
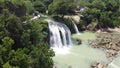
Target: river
[(79, 56)]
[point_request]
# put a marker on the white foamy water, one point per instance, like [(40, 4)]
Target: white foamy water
[(60, 34), (61, 51), (76, 29)]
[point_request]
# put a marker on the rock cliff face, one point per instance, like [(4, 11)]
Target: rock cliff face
[(109, 42)]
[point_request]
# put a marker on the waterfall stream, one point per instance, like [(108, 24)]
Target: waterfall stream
[(63, 32), (76, 29), (60, 34), (55, 39)]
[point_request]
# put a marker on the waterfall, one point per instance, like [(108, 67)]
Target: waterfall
[(66, 34), (63, 32), (76, 29), (60, 34), (55, 39)]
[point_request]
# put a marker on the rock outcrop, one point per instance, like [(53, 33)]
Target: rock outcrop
[(79, 41), (97, 65), (109, 42)]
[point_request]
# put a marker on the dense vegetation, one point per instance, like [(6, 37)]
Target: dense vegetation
[(103, 13), (25, 45), (96, 14)]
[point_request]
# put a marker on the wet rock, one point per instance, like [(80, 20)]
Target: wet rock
[(79, 41), (110, 42), (97, 65), (111, 53), (100, 65)]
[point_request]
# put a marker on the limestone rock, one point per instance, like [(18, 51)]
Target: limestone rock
[(97, 65), (109, 42), (79, 41)]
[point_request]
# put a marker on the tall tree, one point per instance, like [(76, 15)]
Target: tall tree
[(103, 12), (61, 7)]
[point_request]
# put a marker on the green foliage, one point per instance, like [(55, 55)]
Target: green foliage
[(106, 13), (35, 28), (15, 29), (14, 6), (18, 58), (5, 48), (40, 53), (41, 56), (3, 18), (61, 7), (39, 6), (29, 6), (46, 2), (20, 41), (16, 3), (11, 57), (35, 51), (7, 65)]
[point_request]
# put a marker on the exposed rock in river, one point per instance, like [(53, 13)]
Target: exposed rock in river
[(79, 41), (97, 65), (109, 42)]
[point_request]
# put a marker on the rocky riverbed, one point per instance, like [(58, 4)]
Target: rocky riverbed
[(110, 43)]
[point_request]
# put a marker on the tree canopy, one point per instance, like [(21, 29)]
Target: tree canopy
[(103, 12), (23, 45), (61, 7)]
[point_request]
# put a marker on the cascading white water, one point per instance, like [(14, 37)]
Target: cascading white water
[(63, 32), (66, 34), (55, 39), (76, 29), (60, 34)]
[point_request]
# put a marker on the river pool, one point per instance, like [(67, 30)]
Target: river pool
[(79, 56)]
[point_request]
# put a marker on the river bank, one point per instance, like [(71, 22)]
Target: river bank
[(108, 42), (108, 30)]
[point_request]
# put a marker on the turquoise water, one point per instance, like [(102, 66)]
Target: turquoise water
[(80, 56)]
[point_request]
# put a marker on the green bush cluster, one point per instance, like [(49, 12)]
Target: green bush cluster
[(23, 45), (104, 12), (61, 7)]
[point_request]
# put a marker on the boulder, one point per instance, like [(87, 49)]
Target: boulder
[(97, 65), (79, 41), (111, 53), (110, 42)]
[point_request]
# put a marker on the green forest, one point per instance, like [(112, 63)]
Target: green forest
[(26, 45)]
